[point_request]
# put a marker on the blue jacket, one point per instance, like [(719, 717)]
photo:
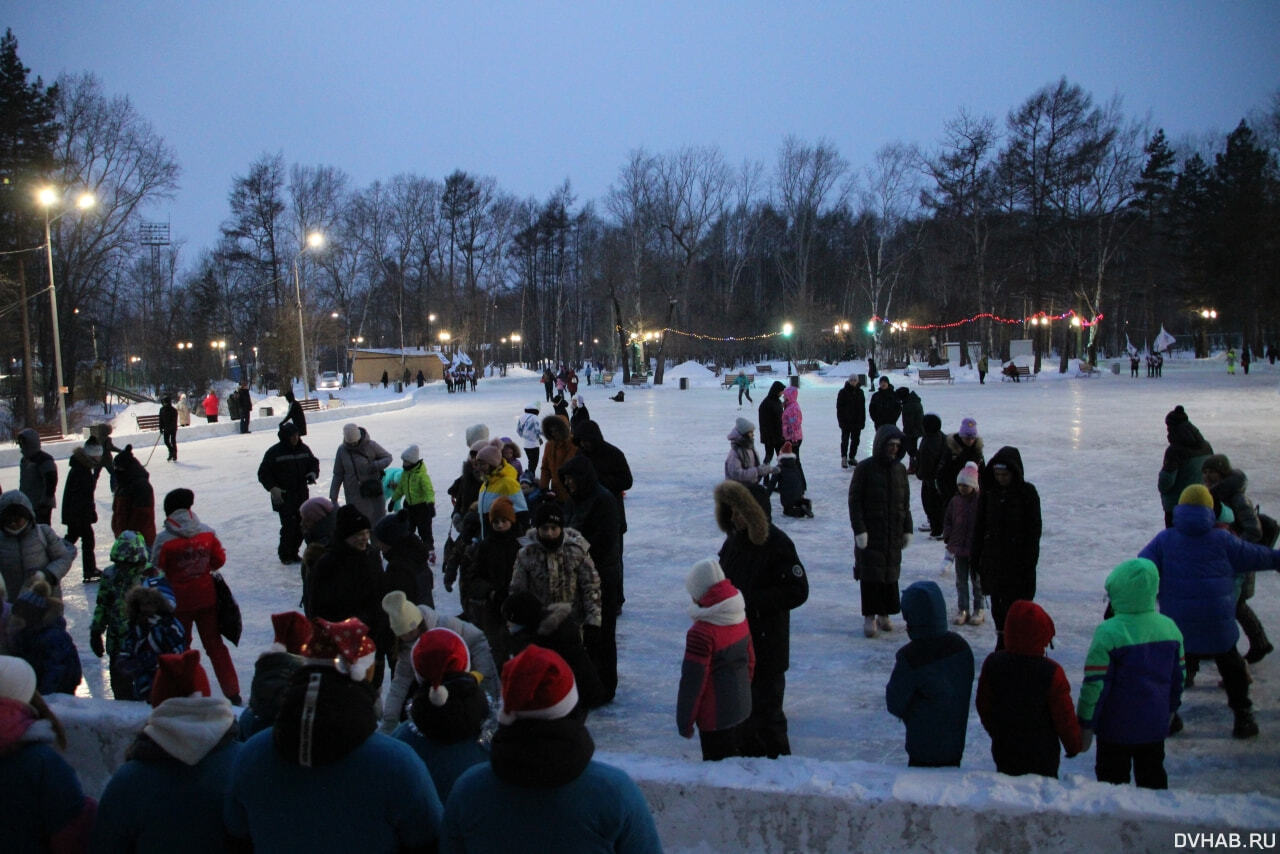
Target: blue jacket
[(932, 680), (1198, 565), (40, 795), (445, 762)]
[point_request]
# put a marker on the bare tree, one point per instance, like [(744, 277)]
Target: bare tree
[(806, 185)]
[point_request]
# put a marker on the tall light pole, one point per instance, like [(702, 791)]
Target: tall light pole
[(47, 197), (314, 241)]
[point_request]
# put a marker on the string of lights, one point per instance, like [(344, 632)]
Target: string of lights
[(658, 333), (1037, 319)]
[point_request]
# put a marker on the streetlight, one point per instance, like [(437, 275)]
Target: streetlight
[(519, 342), (220, 347), (431, 318), (315, 240), (48, 197)]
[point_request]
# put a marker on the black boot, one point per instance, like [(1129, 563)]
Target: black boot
[(1258, 652), (1246, 726)]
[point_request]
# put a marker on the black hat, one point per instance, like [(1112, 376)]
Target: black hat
[(178, 499), (523, 609), (349, 520), (393, 528), (1176, 416), (548, 512)]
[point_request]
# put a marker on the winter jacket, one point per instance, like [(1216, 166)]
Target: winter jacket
[(611, 463), (1198, 565), (445, 762), (529, 428), (932, 680), (343, 786), (187, 552), (912, 415), (558, 631), (930, 451), (1183, 459), (361, 462), (168, 421), (168, 795), (960, 522), (1006, 538), (592, 511), (884, 407), (761, 562), (790, 480), (551, 796), (210, 404), (742, 462), (290, 468), (769, 415), (110, 615), (271, 675), (148, 638), (951, 459), (37, 472), (347, 582), (851, 408), (403, 678), (500, 483), (1024, 699), (1133, 670), (36, 548), (719, 661), (792, 417), (491, 567), (134, 506), (1230, 491), (566, 574), (78, 506), (559, 449), (42, 807), (49, 650), (295, 416), (880, 507), (415, 485)]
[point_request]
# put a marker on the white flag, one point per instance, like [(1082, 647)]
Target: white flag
[(1164, 340)]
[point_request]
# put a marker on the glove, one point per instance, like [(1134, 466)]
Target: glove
[(95, 644), (277, 496), (311, 479), (860, 540), (431, 557), (391, 506), (906, 540), (1086, 739)]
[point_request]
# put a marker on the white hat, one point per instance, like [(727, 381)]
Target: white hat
[(17, 679), (477, 433), (705, 574)]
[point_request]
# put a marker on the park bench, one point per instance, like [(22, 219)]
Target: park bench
[(310, 404), (764, 369), (728, 380), (935, 375), (46, 434), (148, 422), (807, 367), (1088, 371), (1024, 373), (606, 379), (639, 381), (898, 366)]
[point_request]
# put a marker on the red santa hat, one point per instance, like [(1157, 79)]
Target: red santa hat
[(537, 684), (179, 675), (344, 646), (438, 653), (293, 631), (787, 450)]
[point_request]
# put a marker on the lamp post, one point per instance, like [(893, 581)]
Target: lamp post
[(519, 342), (314, 241), (787, 330), (47, 196), (431, 318)]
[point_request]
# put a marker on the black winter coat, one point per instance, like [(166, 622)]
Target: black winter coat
[(884, 407), (912, 416), (593, 512), (406, 560), (348, 583), (610, 462), (492, 565), (951, 460), (559, 632), (851, 408), (78, 506), (930, 452), (287, 466), (168, 418), (880, 507), (770, 415), (1006, 539), (296, 417)]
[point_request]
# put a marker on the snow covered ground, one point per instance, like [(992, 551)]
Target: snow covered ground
[(1091, 446)]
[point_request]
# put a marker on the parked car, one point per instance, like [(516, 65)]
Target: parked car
[(328, 380)]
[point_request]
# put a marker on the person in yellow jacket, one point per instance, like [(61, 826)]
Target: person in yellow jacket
[(498, 478), (419, 496)]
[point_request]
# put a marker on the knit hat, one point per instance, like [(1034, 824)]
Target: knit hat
[(705, 574), (351, 433), (345, 646), (349, 521), (548, 512), (179, 675), (393, 528), (476, 433), (534, 407), (17, 679), (1177, 415), (491, 454), (969, 428), (968, 475), (787, 450), (130, 548), (93, 448), (315, 509), (743, 426), (502, 508), (1196, 493), (403, 614), (438, 653), (522, 608), (293, 632), (537, 684), (410, 455), (178, 499), (1218, 464), (34, 603), (902, 392)]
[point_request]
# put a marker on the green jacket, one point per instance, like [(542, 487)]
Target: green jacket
[(415, 485)]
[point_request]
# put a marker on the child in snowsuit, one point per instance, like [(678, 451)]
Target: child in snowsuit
[(719, 660), (957, 532), (789, 482), (1024, 699), (1132, 680), (153, 631), (932, 681), (38, 634), (130, 565)]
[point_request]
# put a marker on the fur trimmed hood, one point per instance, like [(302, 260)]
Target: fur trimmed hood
[(730, 496)]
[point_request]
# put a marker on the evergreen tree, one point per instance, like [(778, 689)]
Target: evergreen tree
[(28, 133)]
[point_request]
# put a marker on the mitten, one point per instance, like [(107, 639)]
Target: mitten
[(277, 496), (860, 540), (95, 644)]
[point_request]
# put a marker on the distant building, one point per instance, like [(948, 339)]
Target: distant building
[(367, 365)]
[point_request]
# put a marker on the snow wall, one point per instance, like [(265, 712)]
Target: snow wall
[(799, 804)]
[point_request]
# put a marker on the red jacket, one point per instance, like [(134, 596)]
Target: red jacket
[(719, 663), (210, 404), (186, 552)]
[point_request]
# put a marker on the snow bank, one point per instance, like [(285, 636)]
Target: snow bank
[(798, 804)]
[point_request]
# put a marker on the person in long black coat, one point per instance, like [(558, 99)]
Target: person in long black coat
[(851, 416), (295, 415), (884, 407), (79, 511), (761, 561), (912, 423), (614, 473), (880, 515), (347, 581), (769, 415), (287, 469), (169, 427), (1006, 539)]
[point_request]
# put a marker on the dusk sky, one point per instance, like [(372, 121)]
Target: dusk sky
[(534, 93)]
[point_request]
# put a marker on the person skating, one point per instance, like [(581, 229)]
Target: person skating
[(851, 417), (169, 428), (529, 429), (294, 415), (743, 385), (1183, 460), (79, 509)]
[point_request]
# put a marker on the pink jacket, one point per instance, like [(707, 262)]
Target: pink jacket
[(791, 415)]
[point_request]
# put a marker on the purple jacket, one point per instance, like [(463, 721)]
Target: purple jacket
[(959, 522)]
